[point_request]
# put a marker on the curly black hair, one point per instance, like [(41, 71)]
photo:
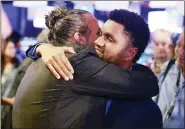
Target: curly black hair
[(136, 26)]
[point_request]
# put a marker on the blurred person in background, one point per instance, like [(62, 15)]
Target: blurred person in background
[(15, 38), (169, 80), (136, 109), (42, 37), (171, 97), (171, 53), (161, 43), (169, 62), (9, 64)]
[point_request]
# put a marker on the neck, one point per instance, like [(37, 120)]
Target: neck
[(126, 65)]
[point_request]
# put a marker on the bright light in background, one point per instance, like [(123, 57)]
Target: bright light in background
[(39, 23), (174, 17), (39, 18), (157, 19), (84, 5), (100, 23), (111, 5), (136, 1), (180, 7), (135, 7), (31, 13), (160, 20), (6, 27), (162, 4), (26, 42), (29, 3)]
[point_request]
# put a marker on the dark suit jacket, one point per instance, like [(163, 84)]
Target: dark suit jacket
[(128, 114), (42, 101)]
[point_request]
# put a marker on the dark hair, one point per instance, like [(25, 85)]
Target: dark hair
[(14, 37), (135, 26), (63, 23), (15, 61), (175, 37)]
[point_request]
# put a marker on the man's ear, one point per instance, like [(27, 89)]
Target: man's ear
[(79, 38), (131, 53)]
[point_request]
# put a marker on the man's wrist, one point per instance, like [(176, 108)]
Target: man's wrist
[(38, 53), (41, 48), (31, 52)]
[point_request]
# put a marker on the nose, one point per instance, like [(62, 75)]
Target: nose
[(160, 46), (99, 42)]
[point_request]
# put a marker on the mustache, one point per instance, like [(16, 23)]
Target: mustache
[(99, 49)]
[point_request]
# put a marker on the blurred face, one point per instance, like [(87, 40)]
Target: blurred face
[(114, 44), (179, 52), (94, 27), (161, 46), (10, 50)]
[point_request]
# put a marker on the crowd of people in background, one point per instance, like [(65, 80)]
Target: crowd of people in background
[(167, 64)]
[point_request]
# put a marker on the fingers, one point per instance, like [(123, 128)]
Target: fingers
[(53, 71), (64, 59), (59, 60), (67, 63), (56, 70), (59, 64)]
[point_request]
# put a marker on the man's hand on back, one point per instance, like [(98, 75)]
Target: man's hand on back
[(56, 61)]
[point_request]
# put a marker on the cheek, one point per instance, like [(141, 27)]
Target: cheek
[(113, 52), (179, 51), (167, 46), (13, 51), (7, 51), (110, 50), (182, 51), (156, 48), (10, 52), (93, 38)]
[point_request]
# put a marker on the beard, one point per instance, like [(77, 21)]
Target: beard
[(112, 57), (100, 54), (116, 59)]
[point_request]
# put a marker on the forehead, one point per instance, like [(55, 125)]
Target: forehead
[(112, 27), (10, 43), (161, 38), (92, 21)]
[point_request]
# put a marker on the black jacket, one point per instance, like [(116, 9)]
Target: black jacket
[(133, 114), (42, 101)]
